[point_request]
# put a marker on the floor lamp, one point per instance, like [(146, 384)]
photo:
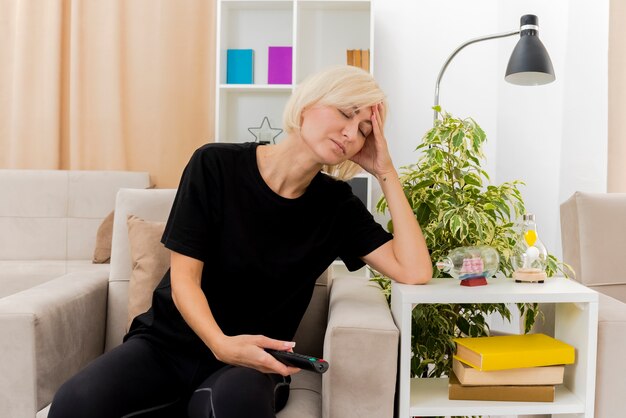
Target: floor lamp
[(529, 65)]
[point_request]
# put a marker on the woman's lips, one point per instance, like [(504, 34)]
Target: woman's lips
[(339, 146)]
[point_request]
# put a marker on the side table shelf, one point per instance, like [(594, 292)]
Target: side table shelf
[(576, 320)]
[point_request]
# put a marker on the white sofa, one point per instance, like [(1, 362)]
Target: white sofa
[(593, 234), (49, 220), (48, 225)]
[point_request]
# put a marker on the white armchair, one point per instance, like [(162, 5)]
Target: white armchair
[(348, 323)]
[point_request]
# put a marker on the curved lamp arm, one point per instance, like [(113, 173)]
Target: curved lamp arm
[(456, 51)]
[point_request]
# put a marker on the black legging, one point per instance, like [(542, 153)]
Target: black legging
[(137, 379)]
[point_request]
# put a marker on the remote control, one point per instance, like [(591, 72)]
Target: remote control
[(300, 360)]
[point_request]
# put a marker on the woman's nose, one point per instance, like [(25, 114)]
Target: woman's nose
[(351, 130)]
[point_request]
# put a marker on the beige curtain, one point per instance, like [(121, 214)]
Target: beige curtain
[(616, 177), (106, 84)]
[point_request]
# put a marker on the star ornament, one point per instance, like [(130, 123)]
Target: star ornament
[(265, 134)]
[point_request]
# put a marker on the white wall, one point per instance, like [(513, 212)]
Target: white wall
[(552, 137)]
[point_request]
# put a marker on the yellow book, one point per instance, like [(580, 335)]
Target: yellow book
[(350, 56), (513, 351)]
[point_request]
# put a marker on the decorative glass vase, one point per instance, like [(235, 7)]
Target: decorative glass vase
[(530, 256), (465, 263)]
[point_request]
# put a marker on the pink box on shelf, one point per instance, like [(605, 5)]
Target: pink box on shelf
[(279, 65)]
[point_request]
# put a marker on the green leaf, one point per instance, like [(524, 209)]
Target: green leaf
[(503, 207), (529, 320), (463, 325), (422, 213), (472, 179), (424, 183), (463, 231), (457, 140), (438, 156), (455, 224), (481, 134), (448, 215)]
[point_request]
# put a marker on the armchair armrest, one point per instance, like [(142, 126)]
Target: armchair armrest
[(48, 333), (361, 345), (611, 370)]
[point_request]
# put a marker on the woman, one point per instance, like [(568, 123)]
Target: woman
[(250, 230)]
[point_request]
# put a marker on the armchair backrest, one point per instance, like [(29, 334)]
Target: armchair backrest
[(155, 205), (593, 235)]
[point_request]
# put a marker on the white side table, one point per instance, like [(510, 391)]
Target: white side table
[(576, 323)]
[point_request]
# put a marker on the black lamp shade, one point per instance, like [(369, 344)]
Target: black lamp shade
[(530, 64)]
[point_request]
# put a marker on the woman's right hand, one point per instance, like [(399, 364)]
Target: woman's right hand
[(248, 351)]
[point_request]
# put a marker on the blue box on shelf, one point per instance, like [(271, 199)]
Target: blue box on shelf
[(239, 66)]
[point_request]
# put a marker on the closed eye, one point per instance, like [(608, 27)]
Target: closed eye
[(345, 115), (363, 129)]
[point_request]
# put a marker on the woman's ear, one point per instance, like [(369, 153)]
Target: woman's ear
[(302, 112)]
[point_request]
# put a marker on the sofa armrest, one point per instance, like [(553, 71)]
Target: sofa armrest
[(48, 333), (361, 345)]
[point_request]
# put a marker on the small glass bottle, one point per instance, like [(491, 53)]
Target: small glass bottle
[(470, 262), (530, 256)]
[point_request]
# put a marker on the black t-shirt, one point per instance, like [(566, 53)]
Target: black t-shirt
[(262, 253)]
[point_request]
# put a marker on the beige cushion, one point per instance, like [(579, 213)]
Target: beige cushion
[(102, 252), (305, 396), (150, 260)]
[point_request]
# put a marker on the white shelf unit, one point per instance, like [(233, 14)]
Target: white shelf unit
[(576, 323), (319, 31)]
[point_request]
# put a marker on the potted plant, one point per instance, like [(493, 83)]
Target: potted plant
[(456, 206)]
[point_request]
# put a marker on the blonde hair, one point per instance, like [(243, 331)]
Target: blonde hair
[(343, 87)]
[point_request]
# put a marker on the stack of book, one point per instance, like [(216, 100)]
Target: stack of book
[(359, 58), (523, 368)]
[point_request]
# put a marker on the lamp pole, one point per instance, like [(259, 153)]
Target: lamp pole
[(529, 65), (456, 51)]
